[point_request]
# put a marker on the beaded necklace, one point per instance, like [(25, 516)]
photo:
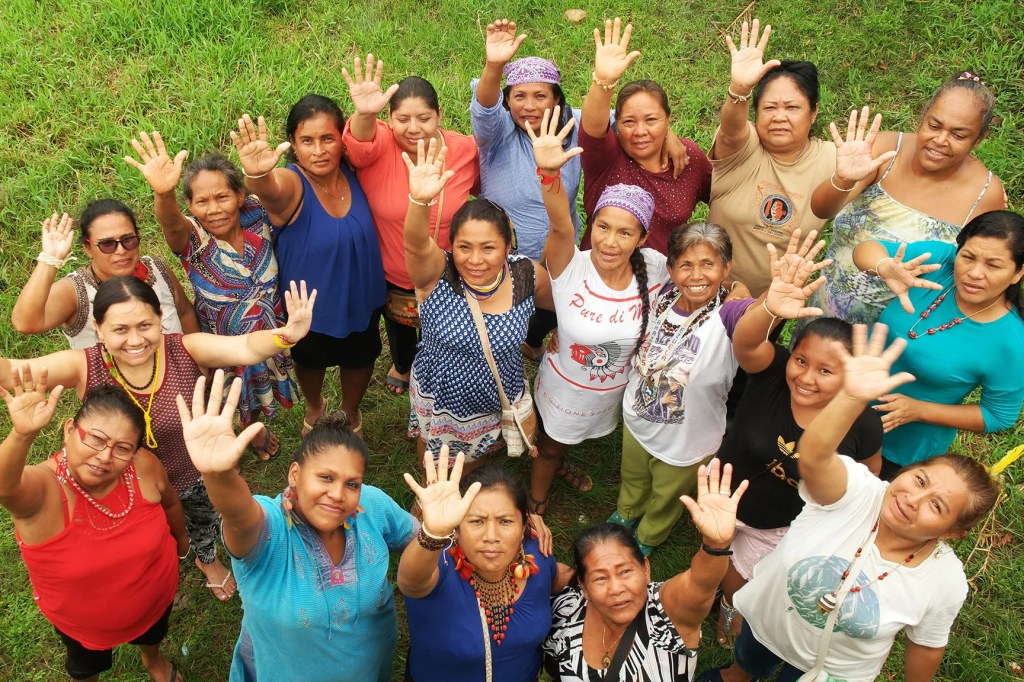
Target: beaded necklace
[(496, 599), (64, 476), (948, 325), (488, 290), (646, 361), (146, 411)]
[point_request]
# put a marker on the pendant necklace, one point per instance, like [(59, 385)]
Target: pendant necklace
[(325, 190), (606, 660), (947, 325)]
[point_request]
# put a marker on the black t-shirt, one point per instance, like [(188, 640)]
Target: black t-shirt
[(761, 441)]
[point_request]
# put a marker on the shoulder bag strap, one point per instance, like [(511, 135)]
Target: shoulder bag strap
[(487, 641), (478, 318), (622, 650)]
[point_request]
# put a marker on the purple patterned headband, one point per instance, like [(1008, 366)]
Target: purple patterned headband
[(532, 70), (636, 200)]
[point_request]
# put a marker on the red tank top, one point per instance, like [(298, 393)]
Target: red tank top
[(102, 581), (181, 376)]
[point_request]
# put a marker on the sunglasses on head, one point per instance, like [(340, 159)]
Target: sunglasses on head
[(130, 243)]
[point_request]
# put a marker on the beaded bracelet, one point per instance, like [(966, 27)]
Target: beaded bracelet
[(421, 203), (716, 552), (431, 542), (604, 86), (52, 261)]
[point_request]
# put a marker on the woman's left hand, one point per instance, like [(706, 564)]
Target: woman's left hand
[(300, 312), (899, 410), (547, 147), (29, 406), (612, 56), (545, 540), (787, 295), (674, 153), (427, 177), (208, 428), (160, 170), (714, 510)]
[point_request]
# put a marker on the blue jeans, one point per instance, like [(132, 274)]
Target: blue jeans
[(759, 661)]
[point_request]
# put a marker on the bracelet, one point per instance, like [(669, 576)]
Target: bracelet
[(52, 261), (552, 182), (875, 269), (716, 552), (420, 203), (431, 542), (768, 334), (832, 179), (257, 177), (738, 99), (604, 86), (282, 342), (187, 552)]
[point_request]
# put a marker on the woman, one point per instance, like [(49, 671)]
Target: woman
[(658, 624), (312, 562), (673, 408), (763, 170), (453, 391), (226, 250), (602, 297), (927, 192), (323, 234), (633, 154), (784, 392), (98, 524), (375, 149), (476, 563), (110, 238), (865, 559), (152, 368), (956, 343)]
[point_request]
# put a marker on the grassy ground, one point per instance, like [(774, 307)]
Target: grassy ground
[(79, 77)]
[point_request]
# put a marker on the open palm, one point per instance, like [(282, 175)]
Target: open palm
[(254, 151), (902, 276), (866, 370), (299, 306), (427, 177), (442, 504), (748, 65), (853, 155), (548, 151), (28, 405), (364, 87), (209, 434), (58, 236), (714, 510), (160, 170), (787, 295), (612, 56), (502, 43)]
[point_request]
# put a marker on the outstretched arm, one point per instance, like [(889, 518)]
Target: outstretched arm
[(427, 178), (367, 97), (500, 47), (611, 60), (279, 190), (43, 305), (748, 67), (855, 167), (550, 157), (921, 663), (899, 275), (163, 173)]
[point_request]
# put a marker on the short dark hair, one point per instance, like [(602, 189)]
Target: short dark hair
[(215, 163), (964, 80), (803, 74), (98, 209), (119, 290), (597, 534), (635, 88), (414, 86), (829, 328), (1007, 226), (309, 107), (331, 431), (108, 399), (494, 477), (487, 211)]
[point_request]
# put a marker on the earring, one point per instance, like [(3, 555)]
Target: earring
[(524, 565), (287, 503)]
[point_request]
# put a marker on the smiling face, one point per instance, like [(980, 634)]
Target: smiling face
[(982, 271), (491, 534), (642, 126), (317, 145), (925, 503), (615, 235), (698, 273), (615, 583), (949, 131), (413, 120), (98, 469), (131, 332), (326, 487), (814, 372), (121, 261), (214, 204), (784, 117), (527, 102), (479, 252)]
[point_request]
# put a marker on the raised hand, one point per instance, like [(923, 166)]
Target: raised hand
[(161, 172), (613, 57), (443, 505), (866, 370), (547, 147), (787, 295), (364, 88), (748, 65), (853, 155), (299, 306), (58, 236), (29, 406), (714, 510), (901, 276), (208, 429), (502, 43), (254, 151), (427, 177)]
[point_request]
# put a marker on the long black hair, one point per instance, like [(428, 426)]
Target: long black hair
[(1008, 227)]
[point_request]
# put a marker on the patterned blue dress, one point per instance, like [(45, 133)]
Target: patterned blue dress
[(452, 390)]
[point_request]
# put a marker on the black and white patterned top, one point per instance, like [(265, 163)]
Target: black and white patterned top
[(658, 653)]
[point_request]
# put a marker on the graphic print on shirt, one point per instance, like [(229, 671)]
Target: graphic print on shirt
[(777, 465), (777, 211), (604, 360), (661, 397), (813, 577)]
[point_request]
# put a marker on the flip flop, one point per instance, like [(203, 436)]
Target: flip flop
[(268, 449), (222, 586), (538, 507), (174, 674), (396, 385), (307, 427)]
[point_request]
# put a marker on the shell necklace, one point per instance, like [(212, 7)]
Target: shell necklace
[(64, 476)]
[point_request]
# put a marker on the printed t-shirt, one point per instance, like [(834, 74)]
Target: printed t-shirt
[(760, 200), (762, 442), (579, 390), (780, 604), (385, 179)]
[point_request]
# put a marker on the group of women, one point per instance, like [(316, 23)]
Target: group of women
[(813, 553)]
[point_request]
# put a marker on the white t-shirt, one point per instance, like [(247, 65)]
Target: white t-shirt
[(780, 603), (674, 403), (579, 390)]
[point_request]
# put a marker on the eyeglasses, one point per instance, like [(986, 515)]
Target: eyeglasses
[(121, 451), (130, 243)]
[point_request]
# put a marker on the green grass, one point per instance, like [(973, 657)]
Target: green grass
[(79, 77)]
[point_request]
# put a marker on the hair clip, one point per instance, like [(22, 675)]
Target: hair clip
[(968, 76)]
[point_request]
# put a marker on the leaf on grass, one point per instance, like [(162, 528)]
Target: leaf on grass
[(575, 16), (1004, 539), (1015, 668)]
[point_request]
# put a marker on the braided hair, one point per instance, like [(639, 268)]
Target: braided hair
[(639, 265)]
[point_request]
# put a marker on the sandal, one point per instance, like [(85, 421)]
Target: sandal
[(270, 448), (222, 586), (575, 477), (618, 518), (538, 507), (175, 674), (307, 427), (394, 384), (726, 614)]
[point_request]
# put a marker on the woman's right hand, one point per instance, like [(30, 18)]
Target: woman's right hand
[(866, 370), (901, 276), (161, 172), (427, 176), (789, 290), (364, 89), (254, 150), (612, 56), (58, 236), (442, 504), (208, 430), (547, 147), (502, 43), (748, 66), (29, 406), (853, 155)]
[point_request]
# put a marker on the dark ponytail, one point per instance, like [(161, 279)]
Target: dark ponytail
[(639, 265)]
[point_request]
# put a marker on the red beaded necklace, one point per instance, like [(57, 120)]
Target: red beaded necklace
[(495, 597), (948, 325)]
